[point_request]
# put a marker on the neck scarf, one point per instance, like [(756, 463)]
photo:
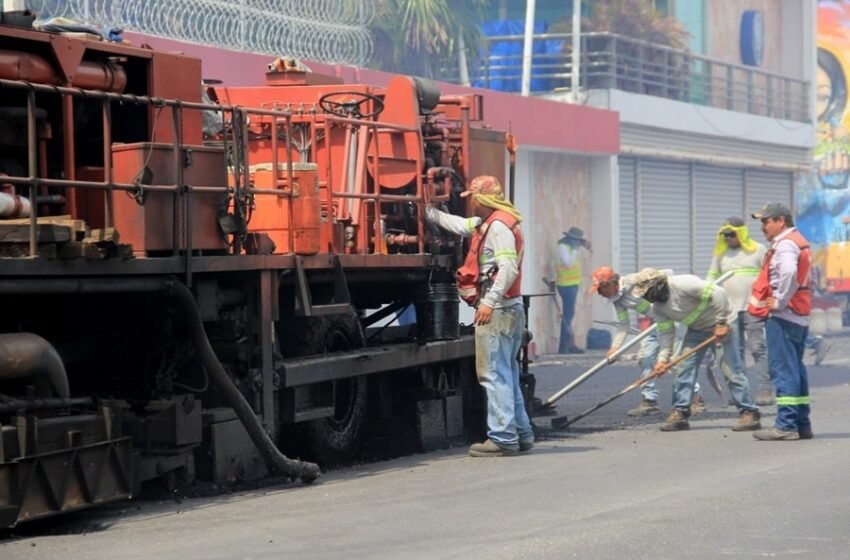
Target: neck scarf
[(497, 202), (747, 244)]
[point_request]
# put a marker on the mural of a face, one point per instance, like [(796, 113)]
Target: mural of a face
[(832, 152), (823, 196)]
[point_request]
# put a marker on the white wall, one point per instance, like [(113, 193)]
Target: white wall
[(658, 112), (605, 230)]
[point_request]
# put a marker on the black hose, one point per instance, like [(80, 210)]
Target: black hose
[(306, 471)]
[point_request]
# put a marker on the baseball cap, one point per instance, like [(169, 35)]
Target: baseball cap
[(484, 184), (734, 221), (771, 210), (601, 275)]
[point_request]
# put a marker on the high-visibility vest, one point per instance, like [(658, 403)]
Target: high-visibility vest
[(569, 275), (801, 301), (469, 275)]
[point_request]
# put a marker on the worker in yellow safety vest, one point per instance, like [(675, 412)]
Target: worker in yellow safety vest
[(568, 268)]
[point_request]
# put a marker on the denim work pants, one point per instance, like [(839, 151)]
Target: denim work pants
[(753, 344), (785, 347), (569, 294), (647, 356), (496, 347), (736, 376)]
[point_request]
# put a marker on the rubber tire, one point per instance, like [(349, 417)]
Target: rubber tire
[(336, 439)]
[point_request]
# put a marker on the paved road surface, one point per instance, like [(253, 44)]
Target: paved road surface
[(610, 488)]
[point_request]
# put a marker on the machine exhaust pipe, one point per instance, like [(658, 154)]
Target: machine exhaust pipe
[(28, 355), (306, 471)]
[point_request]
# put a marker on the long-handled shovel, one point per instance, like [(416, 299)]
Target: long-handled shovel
[(609, 360), (602, 363), (562, 422)]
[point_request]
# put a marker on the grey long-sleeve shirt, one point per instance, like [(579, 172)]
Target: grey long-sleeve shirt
[(499, 251), (783, 277), (694, 302), (746, 267)]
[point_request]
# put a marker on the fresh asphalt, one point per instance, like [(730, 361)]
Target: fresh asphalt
[(608, 487)]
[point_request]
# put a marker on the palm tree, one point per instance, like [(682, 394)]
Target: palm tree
[(420, 36)]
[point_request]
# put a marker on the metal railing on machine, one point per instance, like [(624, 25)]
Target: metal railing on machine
[(235, 139), (610, 61)]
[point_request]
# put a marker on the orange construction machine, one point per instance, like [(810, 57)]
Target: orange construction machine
[(198, 280)]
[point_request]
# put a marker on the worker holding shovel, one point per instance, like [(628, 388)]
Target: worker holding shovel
[(705, 310), (618, 290)]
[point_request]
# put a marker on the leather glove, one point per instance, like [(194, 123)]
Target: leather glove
[(720, 331)]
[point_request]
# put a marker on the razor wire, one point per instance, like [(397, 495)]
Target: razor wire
[(329, 31)]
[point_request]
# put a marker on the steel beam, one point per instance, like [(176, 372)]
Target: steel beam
[(304, 371)]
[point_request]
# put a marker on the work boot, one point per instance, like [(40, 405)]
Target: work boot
[(490, 449), (821, 349), (775, 434), (574, 350), (748, 421), (645, 408), (765, 398), (676, 421), (806, 432), (697, 405), (526, 446)]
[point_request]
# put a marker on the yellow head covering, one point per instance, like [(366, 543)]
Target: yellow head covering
[(741, 231), (487, 191)]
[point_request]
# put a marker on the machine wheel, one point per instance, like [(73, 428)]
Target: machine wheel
[(337, 438)]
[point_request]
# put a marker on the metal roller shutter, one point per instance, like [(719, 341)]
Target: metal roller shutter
[(766, 186), (628, 233), (664, 227), (719, 194)]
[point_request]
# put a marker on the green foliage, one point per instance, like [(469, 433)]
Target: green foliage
[(635, 19), (418, 36)]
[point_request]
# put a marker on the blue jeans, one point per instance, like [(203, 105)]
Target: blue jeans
[(785, 347), (569, 294), (649, 347), (736, 377), (496, 347)]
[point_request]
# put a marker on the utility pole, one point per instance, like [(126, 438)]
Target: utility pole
[(527, 47), (575, 78)]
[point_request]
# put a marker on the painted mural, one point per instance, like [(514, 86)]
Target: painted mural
[(823, 196)]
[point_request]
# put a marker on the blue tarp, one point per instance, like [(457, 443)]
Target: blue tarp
[(510, 79)]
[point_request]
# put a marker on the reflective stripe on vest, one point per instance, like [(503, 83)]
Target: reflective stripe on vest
[(705, 297), (468, 275), (569, 275), (746, 271), (743, 271)]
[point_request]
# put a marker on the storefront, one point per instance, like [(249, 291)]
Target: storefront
[(669, 211)]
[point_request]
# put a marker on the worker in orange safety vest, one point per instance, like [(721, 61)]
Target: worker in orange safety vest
[(782, 296)]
